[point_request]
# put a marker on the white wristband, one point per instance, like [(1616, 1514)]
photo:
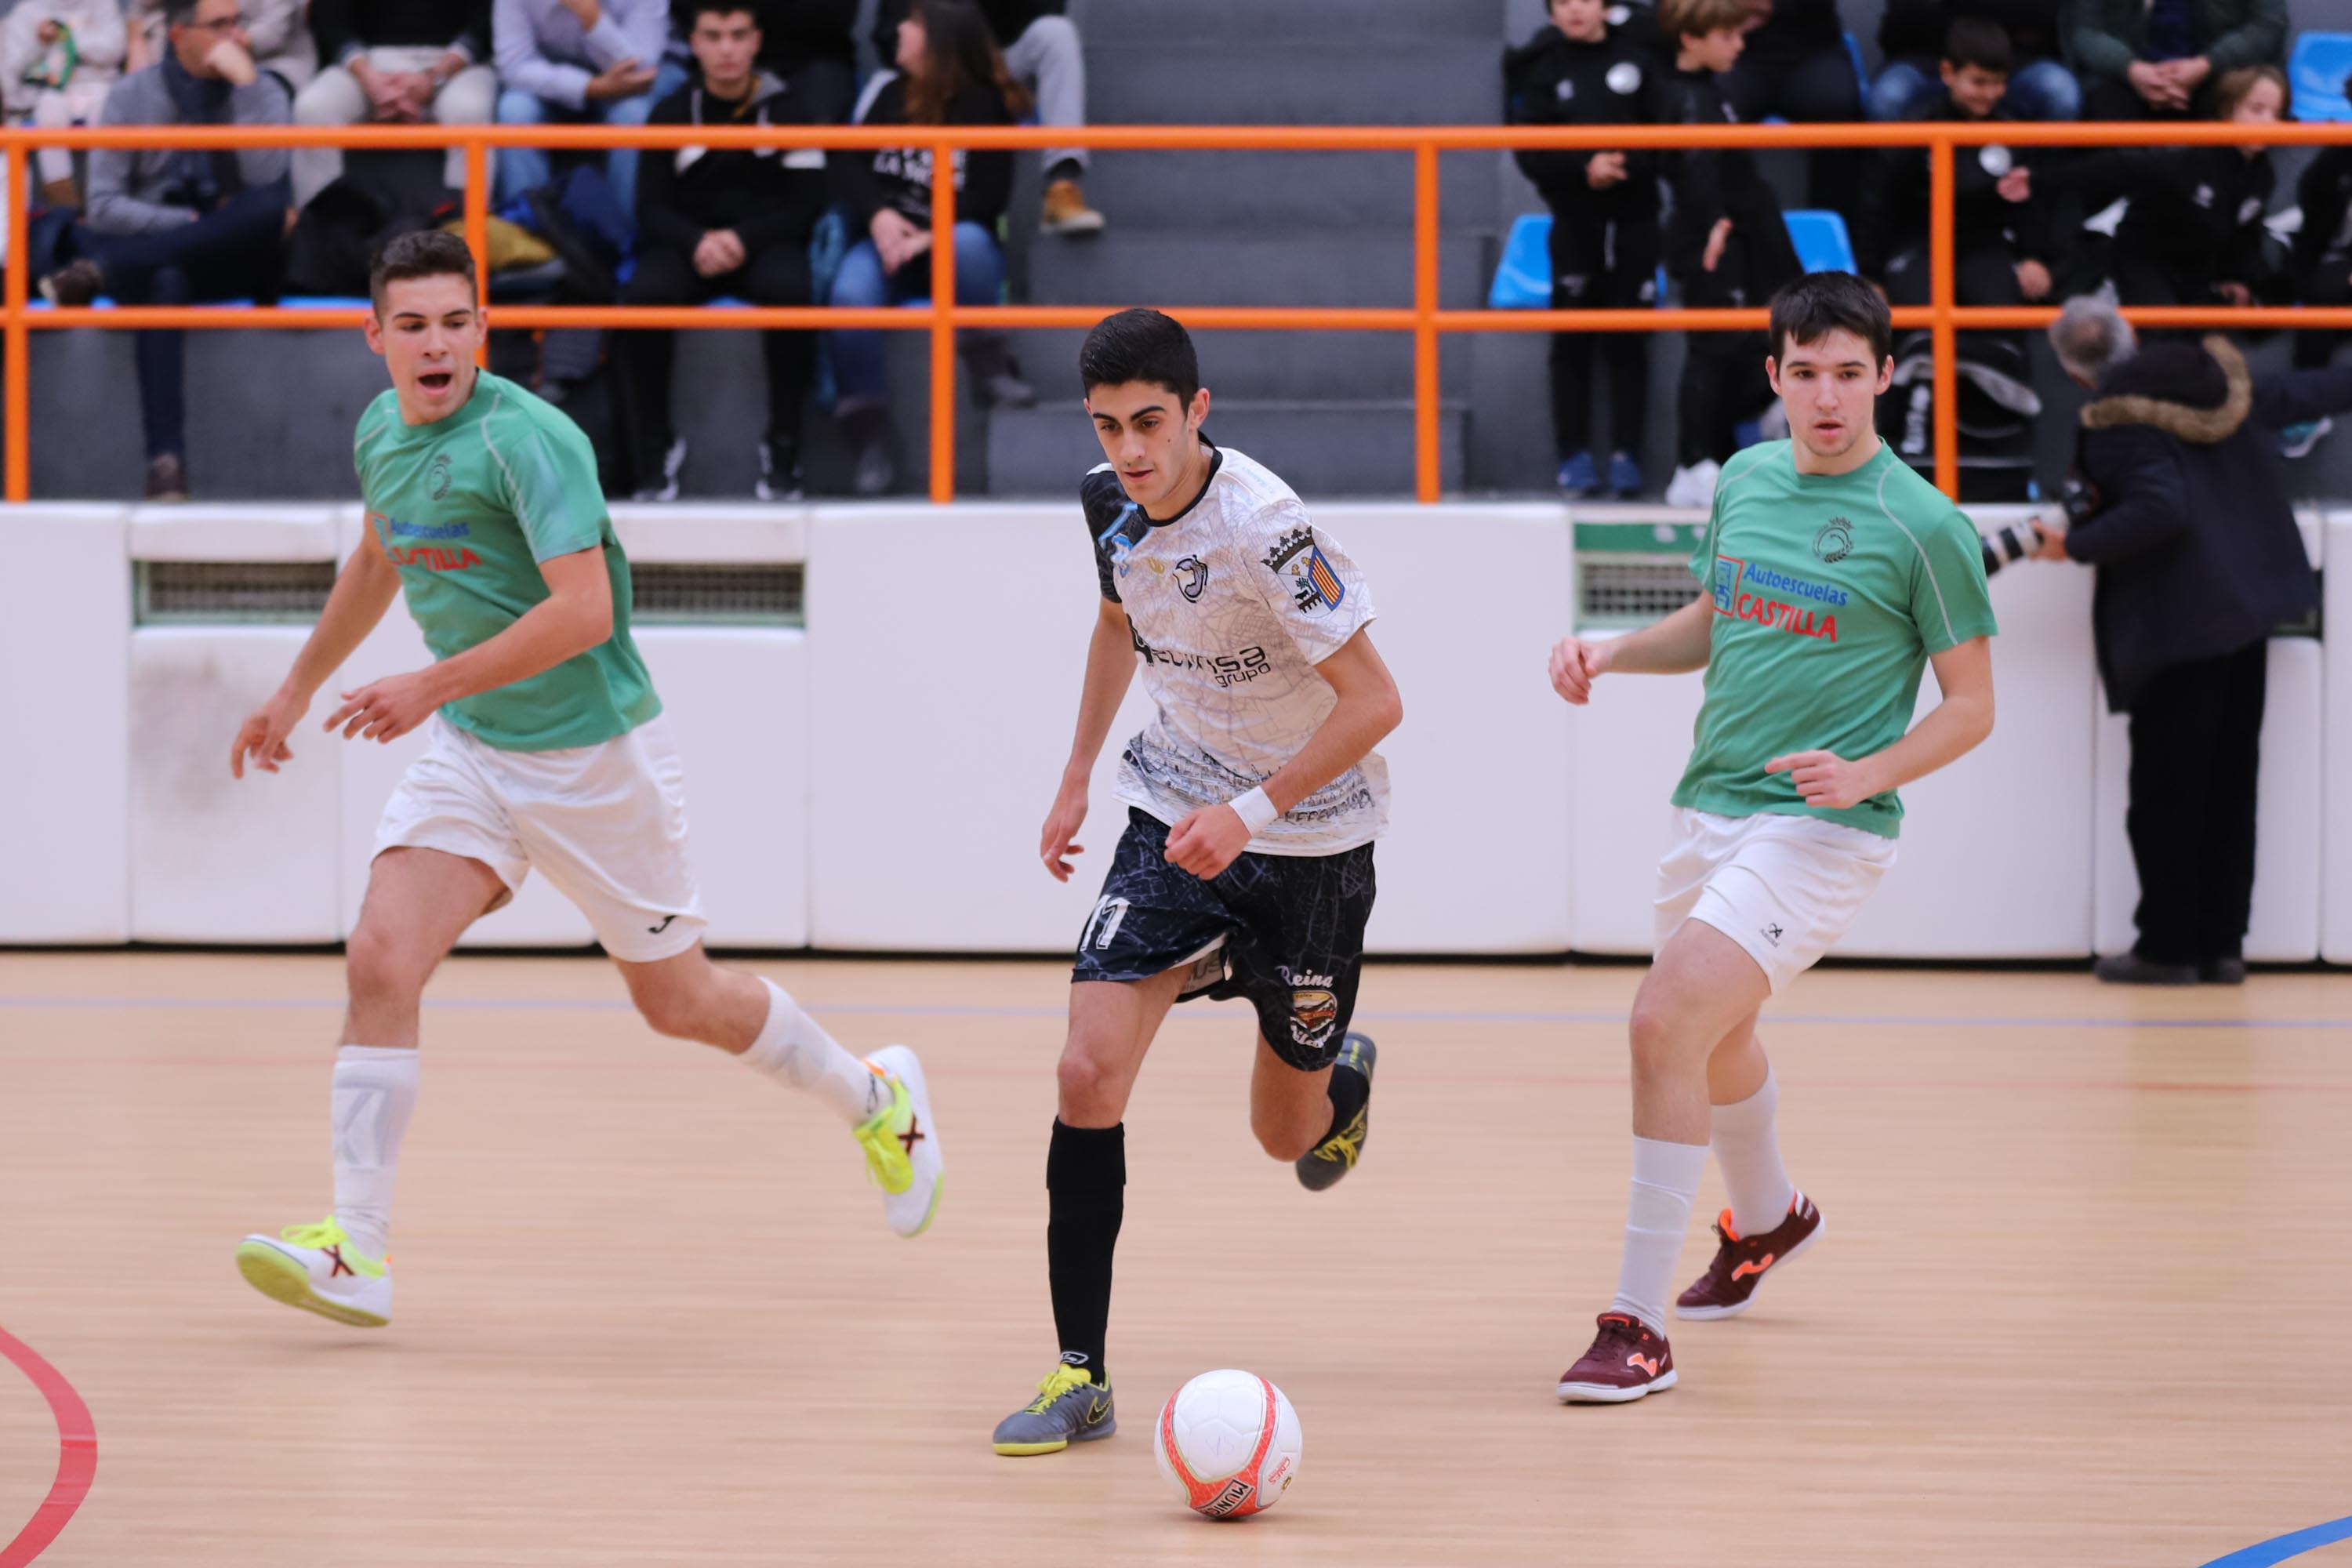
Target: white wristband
[(1254, 810)]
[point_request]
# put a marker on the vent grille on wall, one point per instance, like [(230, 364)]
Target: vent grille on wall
[(281, 593)]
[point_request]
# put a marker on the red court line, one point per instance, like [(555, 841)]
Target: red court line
[(76, 1454)]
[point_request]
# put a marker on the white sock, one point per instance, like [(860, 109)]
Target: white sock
[(1657, 1217), (1748, 1150), (375, 1093), (791, 1047)]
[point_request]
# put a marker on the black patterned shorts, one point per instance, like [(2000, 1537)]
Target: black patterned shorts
[(1286, 932)]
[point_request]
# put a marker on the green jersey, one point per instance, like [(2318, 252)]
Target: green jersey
[(467, 507), (1830, 593)]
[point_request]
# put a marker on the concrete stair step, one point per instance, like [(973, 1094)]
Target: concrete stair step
[(1347, 81), (1196, 268), (1254, 23), (1291, 192)]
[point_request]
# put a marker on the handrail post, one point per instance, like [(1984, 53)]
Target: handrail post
[(944, 288), (1428, 459), (478, 225), (1945, 338), (19, 337)]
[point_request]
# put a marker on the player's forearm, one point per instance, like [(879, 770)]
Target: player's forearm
[(1359, 722), (1674, 646), (546, 635), (1957, 726), (1110, 665), (362, 592)]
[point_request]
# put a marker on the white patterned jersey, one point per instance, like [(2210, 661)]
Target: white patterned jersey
[(1233, 604)]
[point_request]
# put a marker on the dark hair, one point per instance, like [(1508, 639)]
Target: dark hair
[(1680, 19), (1821, 303), (1978, 42), (421, 253), (2235, 86), (958, 52), (701, 9), (1140, 345), (179, 13)]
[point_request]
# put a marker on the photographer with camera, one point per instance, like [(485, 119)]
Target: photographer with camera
[(2179, 500)]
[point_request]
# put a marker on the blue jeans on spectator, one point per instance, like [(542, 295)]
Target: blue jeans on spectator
[(235, 250), (857, 353), (2038, 90), (525, 169)]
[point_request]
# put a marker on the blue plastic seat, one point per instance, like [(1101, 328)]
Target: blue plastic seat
[(1523, 279), (2316, 68), (1821, 242)]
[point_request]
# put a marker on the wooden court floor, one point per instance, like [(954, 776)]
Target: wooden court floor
[(2083, 1299)]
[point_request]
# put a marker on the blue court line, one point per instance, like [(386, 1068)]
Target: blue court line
[(937, 1010), (2262, 1554)]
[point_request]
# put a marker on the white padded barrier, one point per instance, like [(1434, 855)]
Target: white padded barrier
[(65, 631), (213, 858), (2289, 850), (2335, 768)]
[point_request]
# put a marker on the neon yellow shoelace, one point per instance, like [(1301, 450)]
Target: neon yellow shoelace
[(886, 1164), (1059, 1382), (325, 1234)]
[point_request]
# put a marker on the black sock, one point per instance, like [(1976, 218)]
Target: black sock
[(1085, 1189), (1063, 169), (1349, 1089)]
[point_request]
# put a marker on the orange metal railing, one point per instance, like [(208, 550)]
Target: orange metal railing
[(1423, 318)]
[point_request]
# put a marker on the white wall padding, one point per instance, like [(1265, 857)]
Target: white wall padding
[(1471, 600), (2335, 772), (946, 651), (213, 859), (269, 532), (737, 700), (2284, 928), (693, 532), (1995, 860), (1631, 741), (65, 630)]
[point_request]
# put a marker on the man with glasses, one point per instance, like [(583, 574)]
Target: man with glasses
[(173, 226)]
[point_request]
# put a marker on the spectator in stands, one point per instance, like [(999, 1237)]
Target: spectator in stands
[(1043, 52), (2150, 59), (1604, 232), (1727, 244), (1911, 37), (57, 59), (1796, 65), (2003, 237), (278, 30), (810, 45), (949, 73), (573, 60), (172, 227), (722, 221), (2194, 233), (2323, 271), (2186, 515), (396, 62)]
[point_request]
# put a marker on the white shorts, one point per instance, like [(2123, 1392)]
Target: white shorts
[(1784, 887), (606, 823)]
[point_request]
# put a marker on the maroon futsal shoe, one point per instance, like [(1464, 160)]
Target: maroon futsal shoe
[(1626, 1362), (1730, 1282)]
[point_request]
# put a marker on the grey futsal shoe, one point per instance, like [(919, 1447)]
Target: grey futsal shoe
[(1323, 1165), (1068, 1409)]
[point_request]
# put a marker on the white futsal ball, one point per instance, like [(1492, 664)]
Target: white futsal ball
[(1229, 1442)]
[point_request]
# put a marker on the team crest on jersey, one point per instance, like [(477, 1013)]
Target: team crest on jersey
[(1835, 543), (436, 475), (1191, 578), (1315, 588), (1313, 1013)]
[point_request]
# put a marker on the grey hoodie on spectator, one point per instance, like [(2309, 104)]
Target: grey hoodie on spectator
[(129, 191)]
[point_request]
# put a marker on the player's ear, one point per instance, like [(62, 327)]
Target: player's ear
[(1772, 372), (373, 327), (1885, 374), (1198, 414)]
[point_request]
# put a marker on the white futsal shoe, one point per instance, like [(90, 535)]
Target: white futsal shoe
[(316, 1268), (902, 1143)]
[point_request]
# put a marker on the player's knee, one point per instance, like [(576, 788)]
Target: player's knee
[(1088, 1087), (1657, 1037), (672, 1011), (380, 968)]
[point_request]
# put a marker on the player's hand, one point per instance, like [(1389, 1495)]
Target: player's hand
[(1717, 238), (622, 79), (1207, 841), (710, 258), (2238, 294), (893, 237), (2053, 539), (2017, 185), (384, 711), (1825, 779), (2033, 280), (1575, 665), (1603, 170), (1069, 813), (262, 738)]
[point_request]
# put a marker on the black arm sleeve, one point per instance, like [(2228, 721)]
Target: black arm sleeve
[(660, 219), (2147, 501), (1108, 512), (2299, 397), (335, 25), (475, 37)]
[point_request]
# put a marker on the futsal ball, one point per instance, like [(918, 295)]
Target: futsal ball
[(1229, 1442)]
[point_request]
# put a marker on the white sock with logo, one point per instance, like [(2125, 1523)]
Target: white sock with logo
[(1748, 1151), (791, 1047), (374, 1095), (1657, 1217)]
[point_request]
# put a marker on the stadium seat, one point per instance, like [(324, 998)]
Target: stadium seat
[(1821, 240), (2317, 68), (1523, 279)]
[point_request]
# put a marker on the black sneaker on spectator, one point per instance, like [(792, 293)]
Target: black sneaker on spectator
[(673, 463), (2131, 969), (75, 283), (874, 465), (780, 471), (167, 478)]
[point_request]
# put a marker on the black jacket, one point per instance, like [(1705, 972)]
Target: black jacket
[(1715, 184), (2324, 193), (900, 177), (2195, 211), (1915, 30), (1555, 80), (345, 26), (684, 194), (1799, 27), (2194, 536), (1893, 216)]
